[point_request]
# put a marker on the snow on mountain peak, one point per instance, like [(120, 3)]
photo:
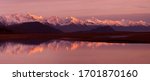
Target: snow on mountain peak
[(21, 18), (53, 20), (35, 17), (72, 20)]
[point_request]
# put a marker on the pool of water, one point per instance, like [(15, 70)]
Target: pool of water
[(73, 52)]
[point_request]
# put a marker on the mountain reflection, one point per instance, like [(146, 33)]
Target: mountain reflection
[(39, 47)]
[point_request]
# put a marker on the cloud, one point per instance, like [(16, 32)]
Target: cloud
[(75, 7)]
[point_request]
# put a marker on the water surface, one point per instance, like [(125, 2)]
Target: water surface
[(76, 52)]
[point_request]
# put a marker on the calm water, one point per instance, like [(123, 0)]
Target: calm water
[(75, 52)]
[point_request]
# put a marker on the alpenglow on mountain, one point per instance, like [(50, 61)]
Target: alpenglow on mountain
[(74, 24)]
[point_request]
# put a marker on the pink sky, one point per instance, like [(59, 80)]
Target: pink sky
[(74, 7)]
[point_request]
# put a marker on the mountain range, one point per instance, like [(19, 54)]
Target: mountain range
[(28, 23)]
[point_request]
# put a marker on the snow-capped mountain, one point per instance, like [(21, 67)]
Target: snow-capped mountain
[(73, 24), (19, 18)]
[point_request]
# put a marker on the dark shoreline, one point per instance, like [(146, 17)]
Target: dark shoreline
[(112, 37)]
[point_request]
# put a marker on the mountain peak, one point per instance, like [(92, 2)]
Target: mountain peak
[(72, 20), (21, 18), (35, 17)]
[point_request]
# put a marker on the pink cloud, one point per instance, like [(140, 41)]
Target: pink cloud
[(75, 7)]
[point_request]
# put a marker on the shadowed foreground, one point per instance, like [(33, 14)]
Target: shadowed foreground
[(117, 37)]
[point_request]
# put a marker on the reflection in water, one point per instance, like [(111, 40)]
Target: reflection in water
[(15, 48), (57, 51)]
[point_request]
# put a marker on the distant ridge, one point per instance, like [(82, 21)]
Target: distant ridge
[(54, 20), (32, 27), (29, 23), (104, 29)]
